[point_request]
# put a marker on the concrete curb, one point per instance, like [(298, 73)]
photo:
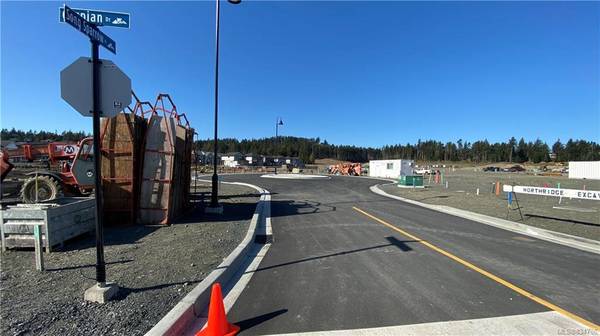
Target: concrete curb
[(194, 305), (580, 243)]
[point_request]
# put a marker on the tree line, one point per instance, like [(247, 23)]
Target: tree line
[(310, 149), (39, 136)]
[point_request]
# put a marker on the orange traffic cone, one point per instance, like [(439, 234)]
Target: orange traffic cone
[(217, 321)]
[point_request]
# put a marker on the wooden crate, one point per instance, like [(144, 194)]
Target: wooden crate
[(61, 220), (122, 137)]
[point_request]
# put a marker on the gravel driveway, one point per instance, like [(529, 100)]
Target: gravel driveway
[(154, 266)]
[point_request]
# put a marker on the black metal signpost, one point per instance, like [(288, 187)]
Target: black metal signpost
[(97, 38)]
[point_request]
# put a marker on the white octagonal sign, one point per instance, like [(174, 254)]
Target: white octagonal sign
[(76, 87)]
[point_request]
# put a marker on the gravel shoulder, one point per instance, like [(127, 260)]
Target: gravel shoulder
[(571, 216), (154, 266)]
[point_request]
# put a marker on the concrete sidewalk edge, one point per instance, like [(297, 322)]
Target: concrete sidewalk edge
[(195, 303), (580, 243)]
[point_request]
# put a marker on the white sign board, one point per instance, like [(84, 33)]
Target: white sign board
[(76, 87), (556, 192)]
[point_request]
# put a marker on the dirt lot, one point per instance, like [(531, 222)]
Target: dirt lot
[(154, 266), (572, 216)]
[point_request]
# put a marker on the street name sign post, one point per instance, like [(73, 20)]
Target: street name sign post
[(99, 17), (89, 29), (102, 291)]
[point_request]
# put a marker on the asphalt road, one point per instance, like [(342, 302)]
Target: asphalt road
[(331, 267)]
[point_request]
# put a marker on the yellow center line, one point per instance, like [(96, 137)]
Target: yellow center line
[(486, 273)]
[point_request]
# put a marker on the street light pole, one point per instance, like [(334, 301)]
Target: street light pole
[(278, 122), (214, 199)]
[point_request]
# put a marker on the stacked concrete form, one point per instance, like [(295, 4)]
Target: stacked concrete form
[(165, 178), (146, 160), (121, 142)]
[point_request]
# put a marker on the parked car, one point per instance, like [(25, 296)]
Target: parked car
[(514, 169), (491, 169), (423, 171)]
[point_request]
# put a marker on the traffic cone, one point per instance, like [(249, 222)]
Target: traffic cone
[(217, 320)]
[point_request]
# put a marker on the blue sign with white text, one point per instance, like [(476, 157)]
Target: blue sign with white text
[(90, 30), (100, 18)]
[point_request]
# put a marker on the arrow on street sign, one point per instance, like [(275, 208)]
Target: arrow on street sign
[(76, 87), (99, 17), (89, 29)]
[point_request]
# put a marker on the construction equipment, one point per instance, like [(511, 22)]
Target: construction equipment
[(350, 169), (5, 165), (51, 152), (74, 176)]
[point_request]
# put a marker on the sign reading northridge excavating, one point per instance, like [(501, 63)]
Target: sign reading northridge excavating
[(556, 192)]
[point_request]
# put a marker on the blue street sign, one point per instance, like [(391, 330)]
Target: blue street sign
[(79, 23), (99, 18)]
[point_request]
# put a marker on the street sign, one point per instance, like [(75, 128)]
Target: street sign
[(99, 17), (76, 87), (79, 23)]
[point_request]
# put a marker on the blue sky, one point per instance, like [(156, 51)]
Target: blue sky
[(362, 73)]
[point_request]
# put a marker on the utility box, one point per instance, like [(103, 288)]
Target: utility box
[(411, 181), (391, 168), (61, 220)]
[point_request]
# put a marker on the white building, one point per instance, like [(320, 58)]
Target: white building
[(232, 159), (252, 159), (391, 168), (584, 170)]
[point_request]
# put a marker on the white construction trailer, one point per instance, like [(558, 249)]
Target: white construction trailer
[(391, 168), (584, 170)]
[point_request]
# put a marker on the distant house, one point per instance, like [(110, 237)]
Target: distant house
[(205, 158), (252, 160), (294, 162), (233, 159), (271, 161)]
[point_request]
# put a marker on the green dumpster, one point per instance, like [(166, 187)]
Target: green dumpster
[(411, 180)]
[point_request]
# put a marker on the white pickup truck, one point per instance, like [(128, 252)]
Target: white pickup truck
[(423, 171)]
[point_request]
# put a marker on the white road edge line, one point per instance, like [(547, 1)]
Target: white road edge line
[(579, 243), (546, 323)]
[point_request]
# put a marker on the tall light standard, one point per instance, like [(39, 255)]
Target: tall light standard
[(278, 122), (214, 199)]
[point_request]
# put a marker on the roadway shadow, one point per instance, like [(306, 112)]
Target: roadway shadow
[(560, 219), (284, 208), (432, 197), (254, 321), (124, 292), (112, 236), (231, 212), (86, 266), (401, 244)]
